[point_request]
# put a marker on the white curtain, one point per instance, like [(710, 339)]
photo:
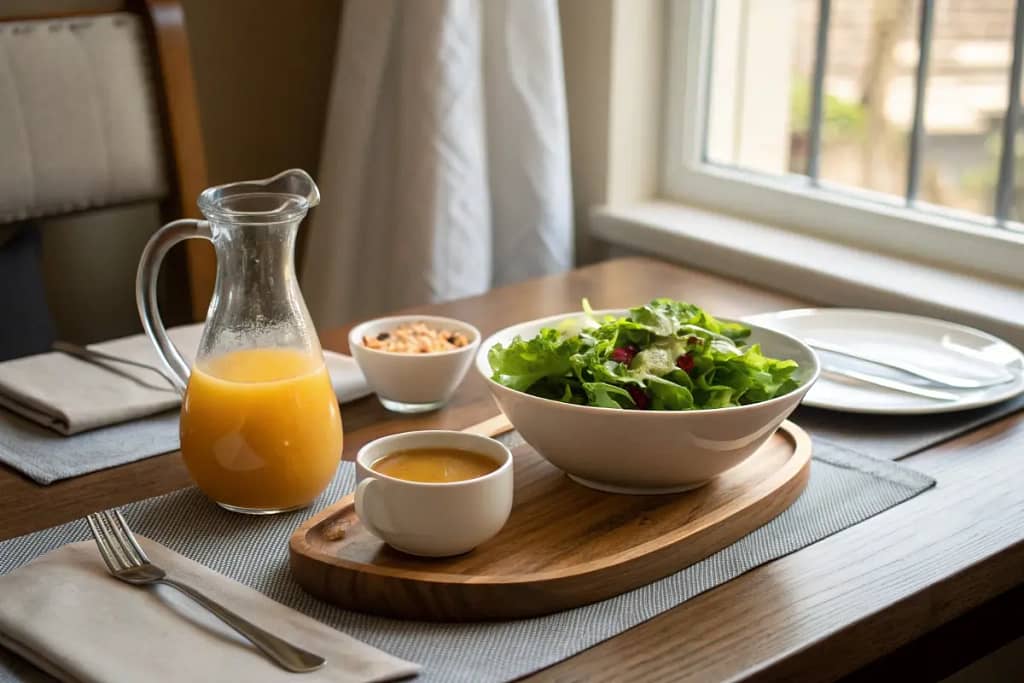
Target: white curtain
[(445, 168)]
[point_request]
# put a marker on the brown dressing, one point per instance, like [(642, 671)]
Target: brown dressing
[(435, 465)]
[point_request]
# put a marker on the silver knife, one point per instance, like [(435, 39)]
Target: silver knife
[(924, 373), (892, 384), (99, 358)]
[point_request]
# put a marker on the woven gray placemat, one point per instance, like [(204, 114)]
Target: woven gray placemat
[(845, 488), (45, 456), (896, 436)]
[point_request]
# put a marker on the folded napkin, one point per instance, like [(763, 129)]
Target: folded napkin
[(71, 395), (66, 615)]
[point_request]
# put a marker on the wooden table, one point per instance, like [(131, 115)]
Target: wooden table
[(936, 575)]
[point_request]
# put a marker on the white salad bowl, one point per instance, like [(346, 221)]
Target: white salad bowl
[(645, 451), (413, 382)]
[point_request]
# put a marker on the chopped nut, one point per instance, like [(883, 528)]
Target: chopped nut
[(416, 338), (334, 530)]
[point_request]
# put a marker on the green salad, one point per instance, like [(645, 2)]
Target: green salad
[(667, 355)]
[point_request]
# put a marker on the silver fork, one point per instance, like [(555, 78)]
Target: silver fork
[(128, 562)]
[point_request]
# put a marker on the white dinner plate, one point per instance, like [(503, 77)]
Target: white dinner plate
[(895, 337)]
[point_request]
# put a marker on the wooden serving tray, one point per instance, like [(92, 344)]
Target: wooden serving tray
[(564, 545)]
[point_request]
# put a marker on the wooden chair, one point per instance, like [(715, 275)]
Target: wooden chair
[(100, 111)]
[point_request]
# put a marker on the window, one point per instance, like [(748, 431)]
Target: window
[(887, 124)]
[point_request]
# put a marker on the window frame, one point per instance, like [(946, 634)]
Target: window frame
[(879, 222)]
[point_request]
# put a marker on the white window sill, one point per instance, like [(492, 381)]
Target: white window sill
[(812, 268)]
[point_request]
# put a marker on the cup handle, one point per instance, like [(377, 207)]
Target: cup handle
[(363, 508), (145, 292)]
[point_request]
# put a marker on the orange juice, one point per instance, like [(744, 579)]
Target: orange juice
[(261, 429)]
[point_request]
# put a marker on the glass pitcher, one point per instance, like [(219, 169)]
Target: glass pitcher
[(260, 425)]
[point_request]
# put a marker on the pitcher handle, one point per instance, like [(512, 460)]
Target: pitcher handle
[(145, 292)]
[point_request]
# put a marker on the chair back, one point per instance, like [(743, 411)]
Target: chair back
[(98, 111)]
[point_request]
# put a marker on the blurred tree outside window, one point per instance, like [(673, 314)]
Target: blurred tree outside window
[(869, 94)]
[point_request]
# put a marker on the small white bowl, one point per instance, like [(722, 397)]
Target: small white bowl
[(646, 451), (413, 382), (433, 520)]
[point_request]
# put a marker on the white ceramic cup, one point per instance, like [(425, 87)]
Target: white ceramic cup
[(433, 520)]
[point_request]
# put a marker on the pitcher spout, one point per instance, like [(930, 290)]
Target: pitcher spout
[(286, 196)]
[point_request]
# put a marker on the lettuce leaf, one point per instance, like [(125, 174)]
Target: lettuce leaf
[(679, 355), (605, 395), (525, 362)]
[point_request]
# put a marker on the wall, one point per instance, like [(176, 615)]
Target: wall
[(613, 72), (586, 36), (263, 71)]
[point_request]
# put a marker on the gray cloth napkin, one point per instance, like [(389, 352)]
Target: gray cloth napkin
[(70, 395), (66, 615)]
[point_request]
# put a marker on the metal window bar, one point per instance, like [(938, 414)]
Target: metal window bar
[(818, 92), (1011, 124), (1007, 160), (924, 42)]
